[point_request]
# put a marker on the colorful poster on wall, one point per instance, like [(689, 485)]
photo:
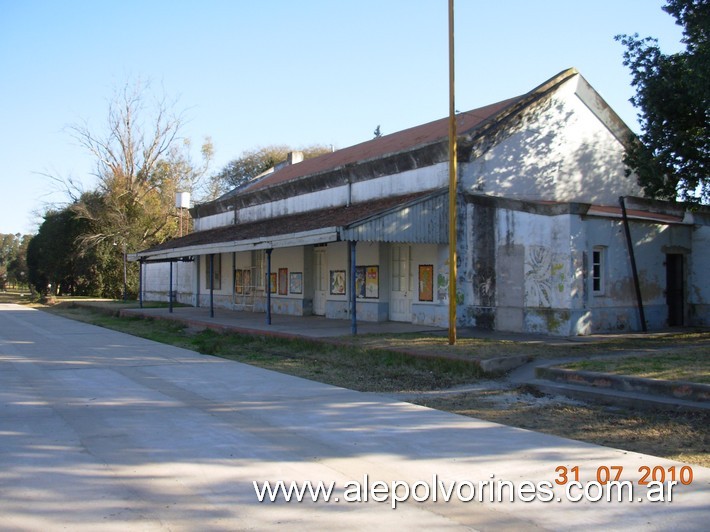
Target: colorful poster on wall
[(426, 282), (272, 283), (372, 282), (337, 282), (283, 281), (295, 282)]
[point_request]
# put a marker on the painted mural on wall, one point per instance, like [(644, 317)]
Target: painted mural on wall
[(546, 277), (442, 282)]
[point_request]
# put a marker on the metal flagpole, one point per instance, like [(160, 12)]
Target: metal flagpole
[(452, 183)]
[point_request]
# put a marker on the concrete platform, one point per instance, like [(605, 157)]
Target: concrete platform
[(104, 431), (281, 325)]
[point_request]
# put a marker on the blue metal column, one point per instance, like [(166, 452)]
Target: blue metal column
[(353, 295), (268, 286), (170, 289), (211, 285), (140, 283)]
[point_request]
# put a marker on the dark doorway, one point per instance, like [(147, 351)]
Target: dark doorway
[(675, 289)]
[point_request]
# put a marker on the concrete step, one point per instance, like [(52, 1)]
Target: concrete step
[(610, 396)]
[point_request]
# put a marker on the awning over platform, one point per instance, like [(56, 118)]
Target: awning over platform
[(420, 217)]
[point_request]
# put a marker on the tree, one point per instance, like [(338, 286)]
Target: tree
[(17, 273), (141, 162), (252, 163), (671, 155), (12, 259), (51, 251)]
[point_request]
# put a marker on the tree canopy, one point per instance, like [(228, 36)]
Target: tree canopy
[(671, 155), (141, 161), (13, 263)]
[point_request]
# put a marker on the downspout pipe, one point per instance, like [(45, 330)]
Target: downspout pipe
[(634, 270)]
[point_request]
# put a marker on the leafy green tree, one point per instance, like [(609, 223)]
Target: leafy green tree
[(671, 155), (17, 273), (50, 253), (251, 163), (13, 268)]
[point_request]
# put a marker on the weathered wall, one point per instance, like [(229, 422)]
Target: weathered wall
[(520, 271), (558, 150), (530, 270), (616, 309), (699, 263), (476, 267), (215, 220)]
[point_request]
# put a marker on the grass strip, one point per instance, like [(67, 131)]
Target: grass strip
[(358, 368), (691, 365)]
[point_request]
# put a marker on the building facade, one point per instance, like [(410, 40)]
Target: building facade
[(541, 231)]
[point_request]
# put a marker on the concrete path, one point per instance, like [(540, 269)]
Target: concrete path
[(104, 431)]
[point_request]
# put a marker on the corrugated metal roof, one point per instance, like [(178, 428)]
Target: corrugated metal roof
[(318, 225), (424, 221)]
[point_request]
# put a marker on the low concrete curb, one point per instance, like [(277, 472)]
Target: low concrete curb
[(503, 364), (689, 391)]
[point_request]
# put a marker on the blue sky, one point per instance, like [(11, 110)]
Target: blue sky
[(251, 73)]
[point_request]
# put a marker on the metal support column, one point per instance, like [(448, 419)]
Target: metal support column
[(170, 289), (353, 294), (211, 285), (634, 270), (268, 286), (140, 283)]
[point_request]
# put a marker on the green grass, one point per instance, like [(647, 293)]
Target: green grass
[(354, 367), (540, 348), (692, 365)]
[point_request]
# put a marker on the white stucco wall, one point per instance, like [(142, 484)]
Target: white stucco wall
[(416, 180), (216, 220), (156, 281), (616, 308), (535, 273), (419, 179), (560, 150)]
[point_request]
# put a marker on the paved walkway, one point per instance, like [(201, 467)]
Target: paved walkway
[(104, 431)]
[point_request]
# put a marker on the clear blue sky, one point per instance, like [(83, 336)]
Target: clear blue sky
[(251, 73)]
